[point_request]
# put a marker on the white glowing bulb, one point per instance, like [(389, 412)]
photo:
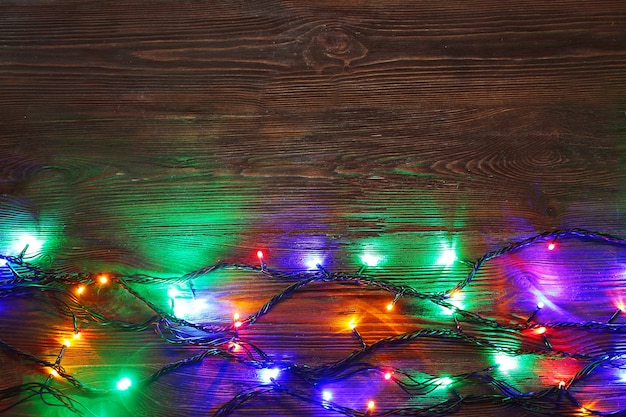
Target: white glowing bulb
[(327, 395), (447, 257), (443, 381), (506, 362), (267, 374), (124, 383), (28, 242), (370, 260), (312, 262)]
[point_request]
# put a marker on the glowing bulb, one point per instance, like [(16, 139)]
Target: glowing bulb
[(370, 260), (621, 307), (312, 262), (53, 373), (352, 324), (327, 395), (236, 316), (540, 330), (259, 255), (238, 324), (371, 405), (189, 308), (447, 257), (173, 292), (443, 382), (103, 279), (27, 243), (456, 299), (388, 375), (506, 362), (551, 246), (561, 384), (540, 304), (389, 306), (268, 374), (80, 290), (66, 343), (77, 335), (124, 383)]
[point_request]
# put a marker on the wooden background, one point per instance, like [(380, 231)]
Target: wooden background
[(162, 136)]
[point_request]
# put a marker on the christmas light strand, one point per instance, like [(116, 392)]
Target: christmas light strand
[(225, 340)]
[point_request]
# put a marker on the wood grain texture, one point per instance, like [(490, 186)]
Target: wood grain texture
[(161, 136)]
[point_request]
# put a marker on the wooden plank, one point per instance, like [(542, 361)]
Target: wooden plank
[(159, 137)]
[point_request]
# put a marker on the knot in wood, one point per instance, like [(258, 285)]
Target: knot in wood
[(328, 45), (334, 42)]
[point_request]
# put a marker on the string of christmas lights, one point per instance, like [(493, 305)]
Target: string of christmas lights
[(227, 341)]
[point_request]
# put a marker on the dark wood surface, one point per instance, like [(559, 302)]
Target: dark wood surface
[(159, 137)]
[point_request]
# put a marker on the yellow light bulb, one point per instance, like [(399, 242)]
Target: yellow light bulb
[(77, 335), (53, 373), (103, 279), (371, 405), (66, 343), (80, 290), (389, 306), (352, 324)]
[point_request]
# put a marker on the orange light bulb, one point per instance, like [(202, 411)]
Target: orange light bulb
[(103, 279)]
